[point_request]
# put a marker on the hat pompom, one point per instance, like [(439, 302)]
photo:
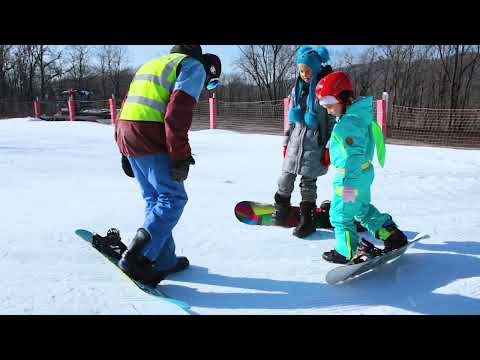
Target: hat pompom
[(311, 120), (295, 114), (323, 53)]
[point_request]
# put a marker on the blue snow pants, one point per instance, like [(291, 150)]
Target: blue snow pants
[(165, 200)]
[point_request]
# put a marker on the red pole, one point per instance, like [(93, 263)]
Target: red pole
[(71, 108), (286, 104), (36, 108), (213, 112), (113, 109), (382, 116)]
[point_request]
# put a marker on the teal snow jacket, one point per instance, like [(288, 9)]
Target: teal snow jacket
[(353, 141)]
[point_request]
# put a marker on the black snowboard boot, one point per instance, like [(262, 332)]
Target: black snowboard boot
[(307, 224), (111, 244), (282, 210), (323, 218), (182, 264), (334, 257), (137, 266), (392, 236), (365, 251)]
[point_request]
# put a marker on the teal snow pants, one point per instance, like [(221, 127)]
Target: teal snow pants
[(350, 204)]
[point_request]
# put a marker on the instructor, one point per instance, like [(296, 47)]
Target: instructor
[(152, 135)]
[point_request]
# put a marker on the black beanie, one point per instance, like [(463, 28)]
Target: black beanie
[(194, 51)]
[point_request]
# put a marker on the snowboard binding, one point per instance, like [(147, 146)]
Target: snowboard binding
[(365, 251), (111, 244)]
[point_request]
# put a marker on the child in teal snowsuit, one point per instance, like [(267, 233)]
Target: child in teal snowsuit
[(352, 144)]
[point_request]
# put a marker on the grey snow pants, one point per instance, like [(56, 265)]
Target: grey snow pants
[(308, 186)]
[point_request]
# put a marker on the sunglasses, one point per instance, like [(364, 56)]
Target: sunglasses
[(213, 83)]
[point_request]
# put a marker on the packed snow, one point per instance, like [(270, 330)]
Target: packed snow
[(59, 176)]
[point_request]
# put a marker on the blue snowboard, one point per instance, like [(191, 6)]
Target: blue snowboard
[(155, 291), (346, 272)]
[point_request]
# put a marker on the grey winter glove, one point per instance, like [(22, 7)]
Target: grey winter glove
[(179, 171), (127, 167)]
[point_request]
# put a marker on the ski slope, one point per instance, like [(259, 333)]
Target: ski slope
[(59, 176)]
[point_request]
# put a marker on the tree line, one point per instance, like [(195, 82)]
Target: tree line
[(430, 76), (28, 71)]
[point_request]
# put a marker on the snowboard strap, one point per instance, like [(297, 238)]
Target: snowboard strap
[(365, 251), (110, 245)]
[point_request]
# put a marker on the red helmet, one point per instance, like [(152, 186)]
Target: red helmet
[(334, 88)]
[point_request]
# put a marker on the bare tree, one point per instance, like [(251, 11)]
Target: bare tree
[(79, 66), (6, 65), (471, 76), (22, 76), (113, 61), (48, 61), (409, 67), (397, 56), (119, 65), (362, 69), (270, 67), (418, 87), (456, 62), (232, 87)]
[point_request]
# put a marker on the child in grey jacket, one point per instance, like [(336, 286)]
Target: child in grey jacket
[(305, 143)]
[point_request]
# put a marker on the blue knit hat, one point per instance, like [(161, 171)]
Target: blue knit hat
[(314, 58)]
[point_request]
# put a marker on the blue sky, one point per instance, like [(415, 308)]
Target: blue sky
[(227, 53)]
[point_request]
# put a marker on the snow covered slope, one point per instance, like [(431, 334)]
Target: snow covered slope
[(58, 176)]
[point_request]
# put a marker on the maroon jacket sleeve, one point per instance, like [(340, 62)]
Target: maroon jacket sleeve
[(178, 119)]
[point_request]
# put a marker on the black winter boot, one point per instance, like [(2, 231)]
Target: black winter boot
[(392, 236), (307, 220), (323, 218), (334, 257), (182, 264), (137, 266), (282, 210)]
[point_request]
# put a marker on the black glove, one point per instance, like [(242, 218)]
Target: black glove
[(127, 167), (179, 171)]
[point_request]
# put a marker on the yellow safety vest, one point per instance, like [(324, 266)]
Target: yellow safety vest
[(151, 88)]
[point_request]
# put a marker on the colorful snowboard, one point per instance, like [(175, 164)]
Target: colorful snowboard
[(155, 291), (254, 213), (346, 272)]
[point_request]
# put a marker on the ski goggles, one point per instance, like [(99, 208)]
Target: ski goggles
[(213, 83)]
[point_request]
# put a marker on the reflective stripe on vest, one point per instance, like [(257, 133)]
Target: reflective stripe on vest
[(157, 105), (151, 88), (159, 80)]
